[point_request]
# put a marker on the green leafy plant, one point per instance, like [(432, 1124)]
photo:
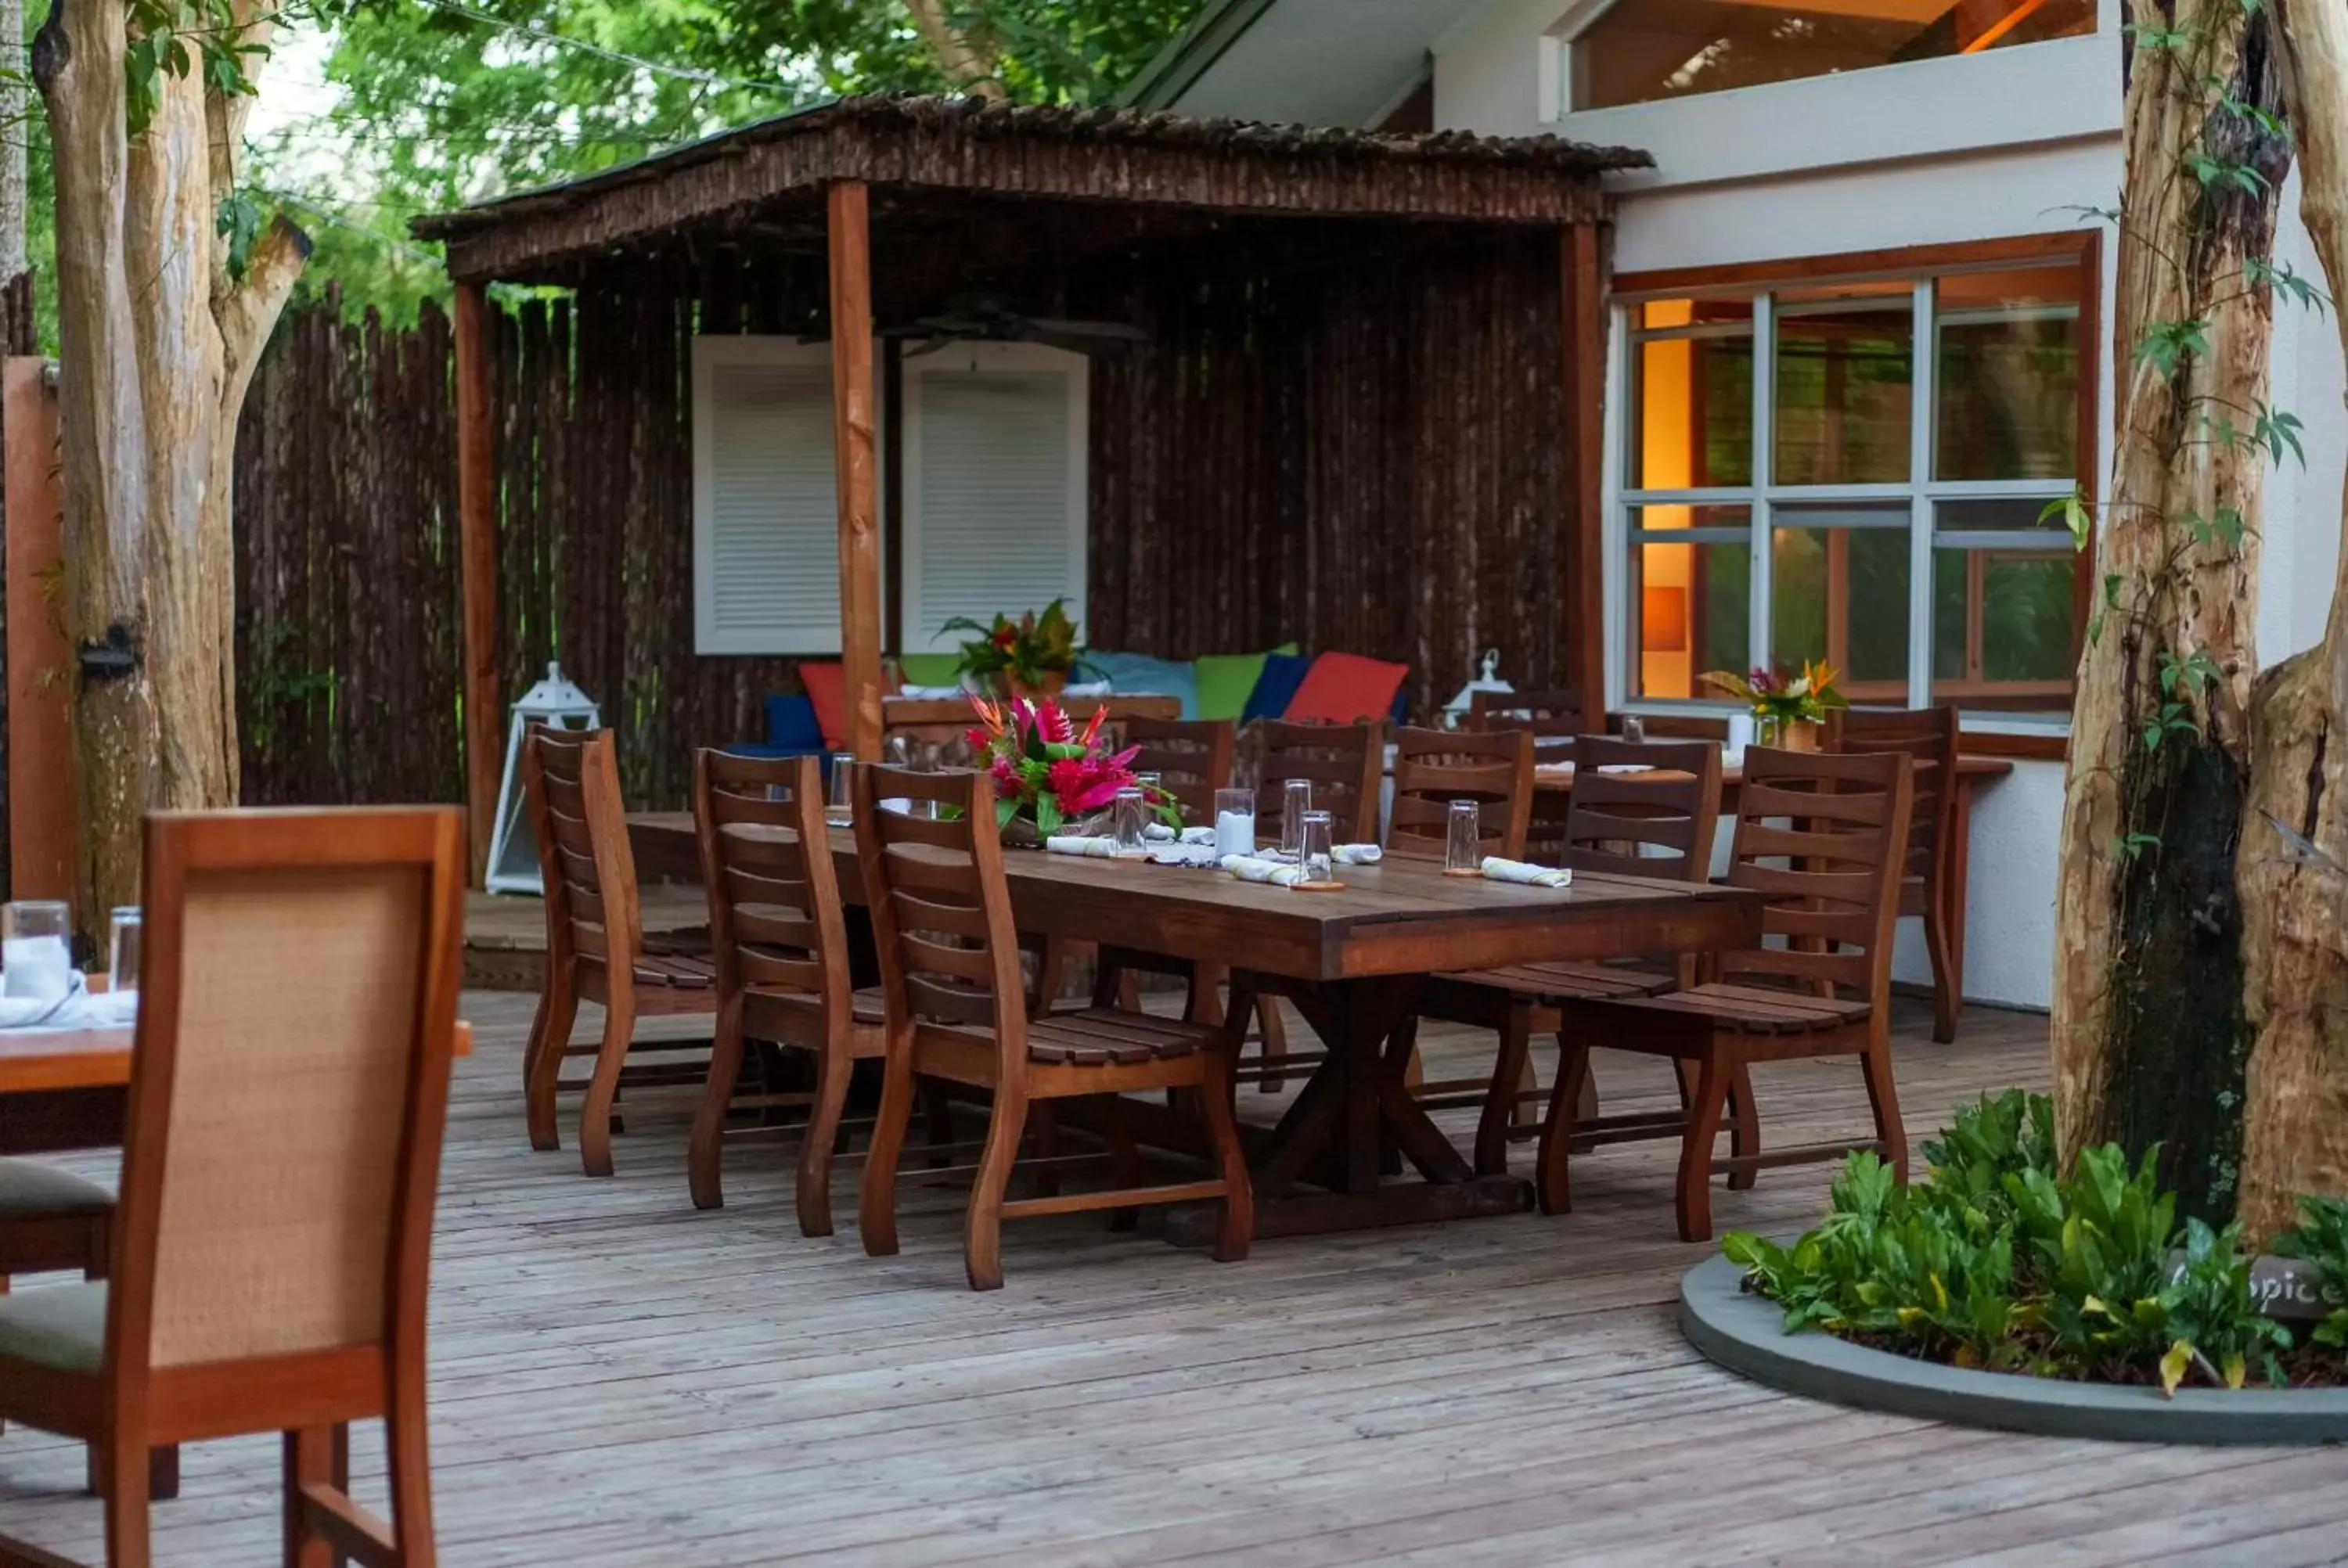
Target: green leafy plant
[(1024, 650), (2320, 1237)]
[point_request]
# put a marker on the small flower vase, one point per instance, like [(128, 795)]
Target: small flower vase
[(1021, 832), (1048, 683), (1787, 734)]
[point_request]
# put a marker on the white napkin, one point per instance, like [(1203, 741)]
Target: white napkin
[(1158, 833), (1097, 845), (1249, 869), (1500, 870), (1186, 854), (1357, 855), (1624, 768), (77, 1010)]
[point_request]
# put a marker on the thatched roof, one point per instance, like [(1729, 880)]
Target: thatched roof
[(978, 146)]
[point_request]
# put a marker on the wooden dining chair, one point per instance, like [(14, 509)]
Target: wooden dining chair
[(595, 947), (1554, 715), (957, 1012), (780, 952), (51, 1219), (1656, 822), (1432, 768), (1928, 736), (1829, 873), (273, 1238), (1192, 760)]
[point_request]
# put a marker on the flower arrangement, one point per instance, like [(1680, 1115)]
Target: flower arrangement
[(1032, 653), (1047, 771), (1780, 701)]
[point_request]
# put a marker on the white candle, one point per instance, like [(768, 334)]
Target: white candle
[(37, 967), (1234, 833)]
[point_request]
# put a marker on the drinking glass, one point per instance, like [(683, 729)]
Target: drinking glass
[(1234, 822), (35, 956), (1634, 728), (1463, 839), (123, 949), (1295, 800), (836, 810), (1125, 825), (1316, 846)]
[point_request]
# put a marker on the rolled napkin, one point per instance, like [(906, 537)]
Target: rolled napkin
[(1097, 845), (1159, 833), (78, 1008), (1500, 870), (1185, 854), (1249, 868), (1357, 855)]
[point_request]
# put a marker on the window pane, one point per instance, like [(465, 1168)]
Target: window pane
[(1691, 603), (1841, 594), (2008, 347), (1846, 365), (1693, 412), (2005, 629), (2015, 513), (1649, 49)]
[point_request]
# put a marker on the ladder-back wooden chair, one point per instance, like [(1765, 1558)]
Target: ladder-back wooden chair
[(1927, 886), (1830, 874), (1553, 718), (956, 1011), (595, 946), (1432, 768), (273, 1238), (780, 950), (1192, 760), (1658, 822)]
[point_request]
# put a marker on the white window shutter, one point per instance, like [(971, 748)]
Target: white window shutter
[(994, 485), (766, 517)]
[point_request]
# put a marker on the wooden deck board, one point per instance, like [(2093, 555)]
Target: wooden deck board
[(621, 1380)]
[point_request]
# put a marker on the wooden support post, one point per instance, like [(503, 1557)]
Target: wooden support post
[(1585, 381), (477, 525), (853, 405), (39, 664)]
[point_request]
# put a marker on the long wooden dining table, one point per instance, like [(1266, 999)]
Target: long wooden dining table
[(1352, 963)]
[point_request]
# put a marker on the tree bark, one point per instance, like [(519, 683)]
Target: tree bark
[(15, 107), (158, 343), (2148, 1037), (2293, 868), (968, 67)]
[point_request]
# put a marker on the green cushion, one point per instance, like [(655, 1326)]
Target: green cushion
[(929, 669), (62, 1326), (1225, 680), (30, 1190)]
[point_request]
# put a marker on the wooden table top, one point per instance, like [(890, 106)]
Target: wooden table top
[(42, 1060), (1559, 775), (1399, 918)]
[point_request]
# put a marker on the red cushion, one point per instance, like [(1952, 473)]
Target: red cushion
[(1345, 688), (827, 688)]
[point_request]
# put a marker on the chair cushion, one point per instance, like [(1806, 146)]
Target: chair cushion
[(1226, 681), (1757, 1010), (1099, 1037), (1275, 686), (792, 727), (930, 669), (61, 1327), (827, 690), (1346, 688), (31, 1190), (1135, 673)]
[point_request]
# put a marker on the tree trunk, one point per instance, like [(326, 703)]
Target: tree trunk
[(2148, 1034), (967, 66), (151, 379), (13, 130), (2293, 868)]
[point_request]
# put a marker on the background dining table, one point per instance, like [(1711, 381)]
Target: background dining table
[(1352, 962)]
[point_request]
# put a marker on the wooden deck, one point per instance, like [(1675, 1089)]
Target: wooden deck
[(620, 1380)]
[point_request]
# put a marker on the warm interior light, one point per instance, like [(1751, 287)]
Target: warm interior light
[(1663, 620)]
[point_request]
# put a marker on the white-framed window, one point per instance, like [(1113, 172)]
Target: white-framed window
[(994, 485), (766, 497), (1621, 52), (1855, 470)]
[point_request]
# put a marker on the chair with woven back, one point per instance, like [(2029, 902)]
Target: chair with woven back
[(1930, 738), (1830, 876), (780, 946), (595, 946), (957, 1012), (272, 1242), (1345, 766), (1192, 760)]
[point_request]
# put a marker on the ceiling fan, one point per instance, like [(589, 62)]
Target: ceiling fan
[(988, 320)]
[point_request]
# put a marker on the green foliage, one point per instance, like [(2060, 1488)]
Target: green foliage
[(2322, 1238), (2164, 344), (1027, 649), (1997, 1260)]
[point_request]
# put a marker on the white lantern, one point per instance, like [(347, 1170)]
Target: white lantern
[(1489, 681), (513, 850)]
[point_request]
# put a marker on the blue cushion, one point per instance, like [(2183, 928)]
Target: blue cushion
[(1274, 689), (1129, 673), (791, 726)]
